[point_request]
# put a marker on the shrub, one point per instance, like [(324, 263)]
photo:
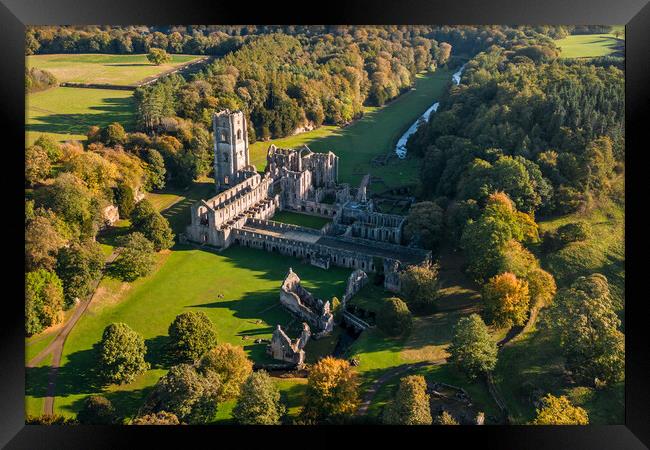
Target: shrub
[(574, 232), (97, 410), (159, 418), (560, 411)]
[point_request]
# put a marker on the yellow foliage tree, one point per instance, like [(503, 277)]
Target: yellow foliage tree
[(560, 411), (332, 392)]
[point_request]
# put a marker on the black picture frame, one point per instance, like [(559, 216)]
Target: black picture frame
[(15, 14)]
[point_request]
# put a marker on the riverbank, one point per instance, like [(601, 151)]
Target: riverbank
[(400, 148), (371, 136)]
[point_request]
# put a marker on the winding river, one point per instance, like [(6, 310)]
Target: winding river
[(400, 148)]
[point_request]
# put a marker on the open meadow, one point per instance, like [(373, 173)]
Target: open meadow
[(593, 45), (66, 113), (121, 70)]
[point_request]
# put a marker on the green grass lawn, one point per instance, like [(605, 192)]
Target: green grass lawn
[(175, 204), (592, 45), (371, 297), (37, 379), (373, 135), (533, 362), (67, 113), (187, 280), (303, 220), (120, 70)]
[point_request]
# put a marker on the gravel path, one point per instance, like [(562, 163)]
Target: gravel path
[(55, 348), (379, 382)]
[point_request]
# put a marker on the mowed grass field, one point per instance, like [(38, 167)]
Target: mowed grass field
[(122, 70), (593, 45), (187, 279), (373, 135), (66, 113)]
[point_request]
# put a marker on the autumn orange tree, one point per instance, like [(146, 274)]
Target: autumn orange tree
[(506, 299), (332, 392)]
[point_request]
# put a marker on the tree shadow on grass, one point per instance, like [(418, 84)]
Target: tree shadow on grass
[(79, 375), (322, 283), (158, 354), (129, 65), (113, 110), (127, 403)]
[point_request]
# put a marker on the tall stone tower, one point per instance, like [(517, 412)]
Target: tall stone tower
[(230, 147)]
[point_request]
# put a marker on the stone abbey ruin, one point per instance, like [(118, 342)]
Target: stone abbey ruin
[(302, 181)]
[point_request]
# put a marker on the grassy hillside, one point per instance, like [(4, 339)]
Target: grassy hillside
[(534, 361), (121, 70)]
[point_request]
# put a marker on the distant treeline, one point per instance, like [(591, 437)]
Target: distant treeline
[(221, 39)]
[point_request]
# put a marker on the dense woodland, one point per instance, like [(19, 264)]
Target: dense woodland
[(524, 135)]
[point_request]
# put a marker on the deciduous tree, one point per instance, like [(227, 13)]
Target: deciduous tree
[(411, 403), (43, 300), (560, 411), (185, 393), (472, 349), (259, 401), (37, 165), (583, 316), (158, 56), (332, 392), (394, 317), (419, 284), (136, 257), (506, 299), (97, 410), (121, 354), (191, 335), (424, 224), (232, 366)]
